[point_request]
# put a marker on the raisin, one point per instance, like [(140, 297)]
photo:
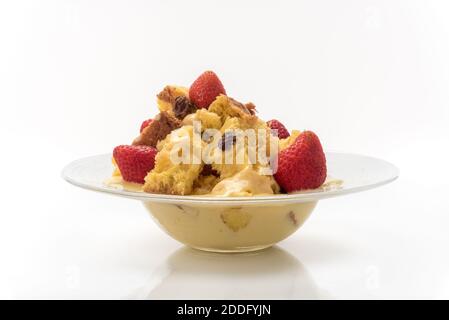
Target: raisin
[(228, 140), (209, 171), (183, 107), (207, 136)]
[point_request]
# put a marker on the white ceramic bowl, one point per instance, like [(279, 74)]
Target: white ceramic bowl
[(236, 224)]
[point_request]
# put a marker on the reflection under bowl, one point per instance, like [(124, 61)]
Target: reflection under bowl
[(193, 274)]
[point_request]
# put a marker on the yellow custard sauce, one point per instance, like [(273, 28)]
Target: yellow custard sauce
[(228, 227)]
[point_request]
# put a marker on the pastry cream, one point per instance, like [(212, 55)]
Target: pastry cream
[(245, 183)]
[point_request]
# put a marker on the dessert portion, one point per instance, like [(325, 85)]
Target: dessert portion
[(204, 142)]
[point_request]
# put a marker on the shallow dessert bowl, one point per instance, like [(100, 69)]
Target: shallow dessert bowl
[(237, 224)]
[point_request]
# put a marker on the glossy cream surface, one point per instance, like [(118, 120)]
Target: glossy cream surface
[(245, 183)]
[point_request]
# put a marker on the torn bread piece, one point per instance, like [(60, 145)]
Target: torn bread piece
[(166, 98), (157, 130), (175, 176)]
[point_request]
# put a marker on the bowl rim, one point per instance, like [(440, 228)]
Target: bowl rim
[(302, 196)]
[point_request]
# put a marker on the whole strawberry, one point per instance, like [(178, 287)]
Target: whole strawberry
[(134, 162), (145, 124), (205, 89), (282, 131), (302, 165)]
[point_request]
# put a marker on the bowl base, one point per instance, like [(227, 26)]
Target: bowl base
[(235, 250)]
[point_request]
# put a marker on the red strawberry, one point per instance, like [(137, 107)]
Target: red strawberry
[(205, 89), (145, 124), (277, 125), (134, 162), (302, 165)]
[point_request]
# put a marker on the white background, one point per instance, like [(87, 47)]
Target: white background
[(78, 77)]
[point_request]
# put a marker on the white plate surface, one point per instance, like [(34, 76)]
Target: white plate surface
[(358, 173)]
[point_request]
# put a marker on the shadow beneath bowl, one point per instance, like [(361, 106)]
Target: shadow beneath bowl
[(268, 274)]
